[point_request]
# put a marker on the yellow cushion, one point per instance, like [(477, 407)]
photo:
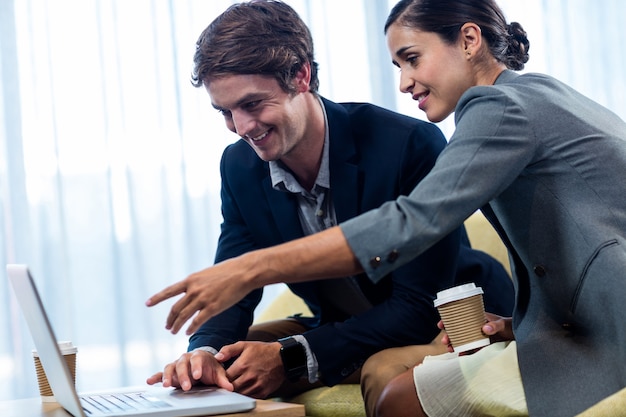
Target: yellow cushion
[(613, 406), (483, 237), (342, 400), (284, 305)]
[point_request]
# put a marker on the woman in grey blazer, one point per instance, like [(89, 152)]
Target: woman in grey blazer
[(547, 167)]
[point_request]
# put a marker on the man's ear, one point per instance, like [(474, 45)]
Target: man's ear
[(471, 38), (302, 80)]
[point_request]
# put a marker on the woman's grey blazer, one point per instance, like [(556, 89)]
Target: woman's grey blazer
[(548, 167)]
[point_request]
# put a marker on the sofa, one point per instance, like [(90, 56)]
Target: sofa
[(345, 400)]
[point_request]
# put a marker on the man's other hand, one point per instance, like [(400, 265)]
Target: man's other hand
[(192, 368)]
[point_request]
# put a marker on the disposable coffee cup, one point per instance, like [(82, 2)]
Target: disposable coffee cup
[(463, 314), (68, 350)]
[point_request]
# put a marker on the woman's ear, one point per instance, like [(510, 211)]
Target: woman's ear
[(471, 38)]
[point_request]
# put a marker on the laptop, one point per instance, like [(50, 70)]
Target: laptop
[(152, 401)]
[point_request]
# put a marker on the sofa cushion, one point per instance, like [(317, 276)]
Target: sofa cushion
[(342, 400)]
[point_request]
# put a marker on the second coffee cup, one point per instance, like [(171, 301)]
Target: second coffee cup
[(68, 350), (463, 314)]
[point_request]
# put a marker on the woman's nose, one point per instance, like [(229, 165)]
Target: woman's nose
[(406, 83)]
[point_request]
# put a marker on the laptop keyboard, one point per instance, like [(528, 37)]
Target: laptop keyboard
[(110, 403)]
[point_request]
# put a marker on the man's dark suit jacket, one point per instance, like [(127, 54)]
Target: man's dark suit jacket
[(375, 156)]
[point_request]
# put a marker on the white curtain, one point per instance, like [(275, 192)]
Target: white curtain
[(109, 181)]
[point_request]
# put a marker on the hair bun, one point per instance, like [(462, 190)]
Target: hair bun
[(517, 53)]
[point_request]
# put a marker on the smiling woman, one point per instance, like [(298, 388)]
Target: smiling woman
[(109, 176)]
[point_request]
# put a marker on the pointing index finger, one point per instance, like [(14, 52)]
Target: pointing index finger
[(169, 292)]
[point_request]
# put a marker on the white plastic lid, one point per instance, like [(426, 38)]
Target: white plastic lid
[(66, 348), (457, 293)]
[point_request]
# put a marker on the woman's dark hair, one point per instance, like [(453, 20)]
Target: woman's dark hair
[(264, 37), (507, 42)]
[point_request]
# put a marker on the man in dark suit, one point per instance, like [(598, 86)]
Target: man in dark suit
[(303, 164)]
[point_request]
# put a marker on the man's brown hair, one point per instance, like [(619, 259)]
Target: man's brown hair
[(265, 37)]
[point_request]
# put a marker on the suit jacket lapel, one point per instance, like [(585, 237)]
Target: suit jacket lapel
[(343, 169), (345, 295), (284, 211)]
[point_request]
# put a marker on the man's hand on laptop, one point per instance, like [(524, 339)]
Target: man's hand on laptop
[(192, 368), (257, 370)]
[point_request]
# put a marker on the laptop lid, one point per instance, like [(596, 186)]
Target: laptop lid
[(196, 402)]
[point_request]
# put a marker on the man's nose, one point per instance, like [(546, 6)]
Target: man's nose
[(243, 123)]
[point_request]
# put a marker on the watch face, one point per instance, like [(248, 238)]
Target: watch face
[(293, 356)]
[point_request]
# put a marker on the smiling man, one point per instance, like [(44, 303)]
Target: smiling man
[(303, 164)]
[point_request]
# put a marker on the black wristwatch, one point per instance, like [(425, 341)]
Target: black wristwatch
[(293, 355)]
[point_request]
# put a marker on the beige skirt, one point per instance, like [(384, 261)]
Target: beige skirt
[(485, 383)]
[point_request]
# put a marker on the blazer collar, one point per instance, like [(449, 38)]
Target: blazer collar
[(506, 76)]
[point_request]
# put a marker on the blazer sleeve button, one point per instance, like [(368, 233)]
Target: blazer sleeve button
[(375, 262), (393, 256), (539, 270)]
